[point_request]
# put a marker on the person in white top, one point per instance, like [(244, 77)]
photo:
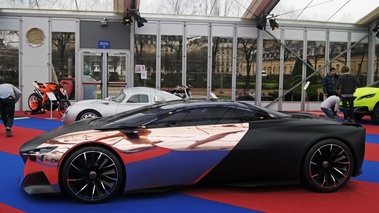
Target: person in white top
[(9, 95), (331, 105)]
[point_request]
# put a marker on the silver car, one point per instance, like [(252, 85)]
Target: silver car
[(127, 99)]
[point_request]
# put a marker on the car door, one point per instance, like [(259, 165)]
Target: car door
[(191, 143)]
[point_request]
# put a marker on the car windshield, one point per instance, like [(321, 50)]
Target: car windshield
[(119, 97)]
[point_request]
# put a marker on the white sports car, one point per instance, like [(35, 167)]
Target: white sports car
[(127, 99)]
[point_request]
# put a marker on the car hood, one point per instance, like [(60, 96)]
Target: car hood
[(96, 124), (365, 91), (92, 101), (43, 138)]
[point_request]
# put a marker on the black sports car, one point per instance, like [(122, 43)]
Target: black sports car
[(192, 142)]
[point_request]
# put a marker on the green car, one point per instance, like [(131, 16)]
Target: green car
[(367, 102)]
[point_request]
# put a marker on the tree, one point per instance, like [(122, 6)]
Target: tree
[(248, 47), (315, 51), (335, 48), (64, 45)]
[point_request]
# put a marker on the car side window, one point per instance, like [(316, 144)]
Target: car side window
[(204, 116), (172, 119), (190, 117), (138, 99), (238, 116)]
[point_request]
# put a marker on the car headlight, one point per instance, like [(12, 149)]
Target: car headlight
[(31, 154), (367, 96)]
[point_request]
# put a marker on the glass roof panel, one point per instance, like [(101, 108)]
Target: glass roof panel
[(229, 8), (81, 5), (348, 11)]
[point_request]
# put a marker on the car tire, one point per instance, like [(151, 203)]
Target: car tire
[(92, 175), (375, 114), (88, 114), (328, 166)]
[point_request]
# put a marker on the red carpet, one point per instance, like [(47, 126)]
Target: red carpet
[(356, 196), (8, 209), (372, 152), (21, 135)]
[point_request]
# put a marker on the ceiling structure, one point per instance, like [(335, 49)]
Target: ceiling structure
[(347, 11), (120, 6)]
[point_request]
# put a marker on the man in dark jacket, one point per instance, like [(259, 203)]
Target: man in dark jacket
[(346, 85), (330, 82)]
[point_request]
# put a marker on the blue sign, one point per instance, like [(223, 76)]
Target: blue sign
[(104, 45)]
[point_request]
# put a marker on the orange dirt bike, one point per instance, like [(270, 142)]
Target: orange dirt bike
[(40, 98)]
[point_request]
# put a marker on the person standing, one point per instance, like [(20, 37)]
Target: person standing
[(330, 106), (330, 82), (9, 95), (346, 86)]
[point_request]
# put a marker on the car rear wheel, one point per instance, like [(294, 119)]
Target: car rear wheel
[(92, 175), (328, 166), (88, 114)]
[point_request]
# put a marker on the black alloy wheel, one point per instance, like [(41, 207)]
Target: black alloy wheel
[(92, 175), (328, 165)]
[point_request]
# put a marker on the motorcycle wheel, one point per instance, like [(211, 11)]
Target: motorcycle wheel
[(35, 102), (63, 105)]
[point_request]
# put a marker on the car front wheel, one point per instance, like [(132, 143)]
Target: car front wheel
[(328, 166), (92, 175)]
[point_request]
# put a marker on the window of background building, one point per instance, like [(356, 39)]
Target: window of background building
[(145, 51), (63, 58), (246, 63), (197, 55), (358, 62), (294, 75), (9, 57), (221, 78), (316, 59), (171, 61)]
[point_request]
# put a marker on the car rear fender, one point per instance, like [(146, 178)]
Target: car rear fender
[(357, 151)]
